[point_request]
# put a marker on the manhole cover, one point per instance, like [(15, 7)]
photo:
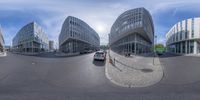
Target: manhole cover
[(146, 70)]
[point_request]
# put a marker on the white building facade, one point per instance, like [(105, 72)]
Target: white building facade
[(132, 32), (30, 39), (184, 37), (76, 36)]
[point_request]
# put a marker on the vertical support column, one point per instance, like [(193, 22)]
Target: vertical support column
[(175, 47), (189, 46), (131, 47), (181, 47), (135, 43), (25, 47), (185, 47), (195, 47), (32, 46)]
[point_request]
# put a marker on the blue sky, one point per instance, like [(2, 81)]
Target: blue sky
[(99, 14)]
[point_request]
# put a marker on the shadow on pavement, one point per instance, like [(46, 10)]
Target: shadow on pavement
[(52, 55), (99, 63), (167, 55), (132, 55)]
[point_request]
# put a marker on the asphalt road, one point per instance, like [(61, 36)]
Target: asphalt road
[(80, 78)]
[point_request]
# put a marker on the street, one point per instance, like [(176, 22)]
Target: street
[(45, 77), (180, 69)]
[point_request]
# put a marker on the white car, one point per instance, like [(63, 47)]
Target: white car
[(100, 55)]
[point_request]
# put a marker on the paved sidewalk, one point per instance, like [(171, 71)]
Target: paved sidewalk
[(133, 71), (3, 54), (61, 54)]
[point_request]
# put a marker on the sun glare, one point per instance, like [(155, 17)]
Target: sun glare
[(100, 28)]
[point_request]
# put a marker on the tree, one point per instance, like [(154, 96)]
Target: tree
[(159, 46)]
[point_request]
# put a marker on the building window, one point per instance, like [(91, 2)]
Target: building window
[(191, 46), (186, 33), (181, 30), (192, 27)]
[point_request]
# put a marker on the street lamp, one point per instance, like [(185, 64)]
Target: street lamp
[(155, 40)]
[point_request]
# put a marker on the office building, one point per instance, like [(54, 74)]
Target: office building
[(184, 37), (132, 32), (30, 39), (76, 36), (51, 45), (1, 41)]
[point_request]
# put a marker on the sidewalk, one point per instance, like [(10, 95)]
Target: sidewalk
[(194, 55), (134, 71), (3, 54), (61, 54)]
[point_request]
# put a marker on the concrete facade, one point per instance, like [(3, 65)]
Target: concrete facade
[(76, 36), (184, 37), (132, 32), (30, 39)]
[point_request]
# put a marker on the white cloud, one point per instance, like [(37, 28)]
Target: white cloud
[(97, 15)]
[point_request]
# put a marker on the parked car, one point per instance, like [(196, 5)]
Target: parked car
[(160, 52), (84, 52), (90, 51), (100, 55)]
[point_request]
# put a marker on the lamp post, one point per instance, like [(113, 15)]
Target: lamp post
[(155, 40)]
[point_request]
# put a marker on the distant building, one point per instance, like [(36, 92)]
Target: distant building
[(1, 41), (76, 36), (184, 37), (7, 48), (51, 45), (132, 32), (30, 39)]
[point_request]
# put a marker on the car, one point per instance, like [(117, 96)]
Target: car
[(89, 51), (160, 52), (100, 55), (84, 52)]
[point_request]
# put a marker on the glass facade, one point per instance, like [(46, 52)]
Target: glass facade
[(76, 36), (30, 39), (186, 31), (124, 36), (1, 41), (192, 28)]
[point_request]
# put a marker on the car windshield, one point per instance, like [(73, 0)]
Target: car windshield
[(99, 53), (99, 49)]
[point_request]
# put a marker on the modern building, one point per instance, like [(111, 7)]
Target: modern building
[(132, 32), (1, 41), (30, 39), (7, 48), (76, 36), (184, 37), (51, 45)]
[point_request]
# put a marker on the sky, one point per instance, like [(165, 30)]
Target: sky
[(99, 14)]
